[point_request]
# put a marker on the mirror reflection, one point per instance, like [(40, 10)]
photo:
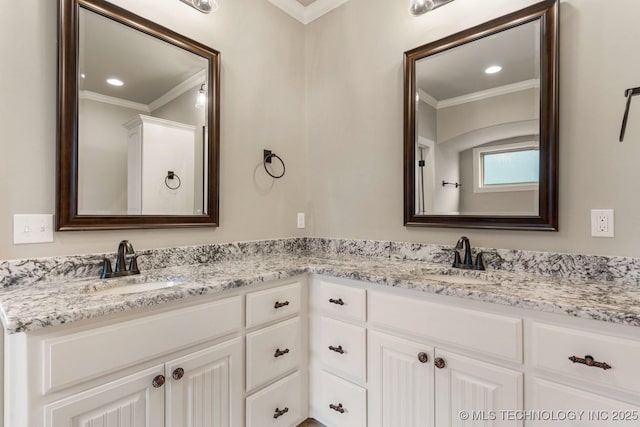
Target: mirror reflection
[(142, 121), (478, 125)]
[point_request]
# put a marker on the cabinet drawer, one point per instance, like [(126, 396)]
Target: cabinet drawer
[(279, 404), (109, 348), (342, 346), (272, 352), (551, 347), (491, 334), (342, 404), (272, 304), (339, 300), (597, 410)]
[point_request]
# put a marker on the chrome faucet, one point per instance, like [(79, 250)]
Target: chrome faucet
[(467, 264), (124, 248)]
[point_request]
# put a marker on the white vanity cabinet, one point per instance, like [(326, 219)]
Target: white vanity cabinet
[(182, 364), (276, 355), (199, 389), (421, 382), (167, 368)]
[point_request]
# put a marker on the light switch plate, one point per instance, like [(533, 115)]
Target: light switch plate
[(301, 220), (32, 229)]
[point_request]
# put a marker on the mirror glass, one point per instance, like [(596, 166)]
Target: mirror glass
[(481, 125), (477, 110), (138, 113), (138, 123)]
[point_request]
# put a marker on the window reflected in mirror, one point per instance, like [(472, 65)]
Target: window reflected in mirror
[(477, 114)]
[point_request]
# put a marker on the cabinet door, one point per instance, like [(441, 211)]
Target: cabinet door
[(204, 389), (129, 402), (466, 386), (401, 385)]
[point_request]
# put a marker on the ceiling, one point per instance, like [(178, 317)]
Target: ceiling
[(307, 11), (460, 71), (148, 66)]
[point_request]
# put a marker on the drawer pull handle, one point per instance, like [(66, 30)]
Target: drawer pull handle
[(336, 301), (337, 349), (590, 361), (439, 362), (280, 412), (158, 381), (279, 352), (337, 408), (177, 374), (280, 304), (423, 357)]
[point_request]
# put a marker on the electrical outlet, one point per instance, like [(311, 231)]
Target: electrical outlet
[(602, 223), (301, 220)]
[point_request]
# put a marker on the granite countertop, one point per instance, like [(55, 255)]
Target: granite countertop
[(30, 307)]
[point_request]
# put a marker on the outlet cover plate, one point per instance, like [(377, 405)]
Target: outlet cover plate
[(602, 223)]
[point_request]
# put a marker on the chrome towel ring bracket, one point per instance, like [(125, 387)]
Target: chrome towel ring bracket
[(267, 155), (168, 180)]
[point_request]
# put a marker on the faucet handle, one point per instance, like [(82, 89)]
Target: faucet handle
[(133, 265), (107, 271), (456, 259), (479, 265)]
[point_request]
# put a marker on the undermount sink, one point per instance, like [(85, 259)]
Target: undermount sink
[(461, 280), (137, 287)]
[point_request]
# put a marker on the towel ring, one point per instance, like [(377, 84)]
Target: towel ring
[(170, 176), (268, 155)]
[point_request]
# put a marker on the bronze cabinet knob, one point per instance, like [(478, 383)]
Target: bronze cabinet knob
[(336, 301), (158, 381), (423, 357), (178, 373), (439, 362)]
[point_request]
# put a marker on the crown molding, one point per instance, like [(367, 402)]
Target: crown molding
[(309, 13), (106, 99), (179, 89), (490, 93), (427, 99)]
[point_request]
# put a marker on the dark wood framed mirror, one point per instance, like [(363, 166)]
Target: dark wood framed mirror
[(138, 122), (481, 125)]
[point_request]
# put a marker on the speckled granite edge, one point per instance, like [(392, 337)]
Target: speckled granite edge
[(76, 267), (563, 265), (573, 266)]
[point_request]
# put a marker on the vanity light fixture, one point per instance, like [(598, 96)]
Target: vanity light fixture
[(420, 7), (201, 100), (204, 6), (493, 69), (115, 82)]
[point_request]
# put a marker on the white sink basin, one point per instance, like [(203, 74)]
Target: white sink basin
[(138, 287), (461, 280)]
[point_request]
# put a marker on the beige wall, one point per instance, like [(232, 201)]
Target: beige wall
[(350, 82), (354, 87), (262, 106), (512, 107)]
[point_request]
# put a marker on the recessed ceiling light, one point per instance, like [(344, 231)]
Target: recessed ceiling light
[(82, 76), (115, 82), (493, 69)]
